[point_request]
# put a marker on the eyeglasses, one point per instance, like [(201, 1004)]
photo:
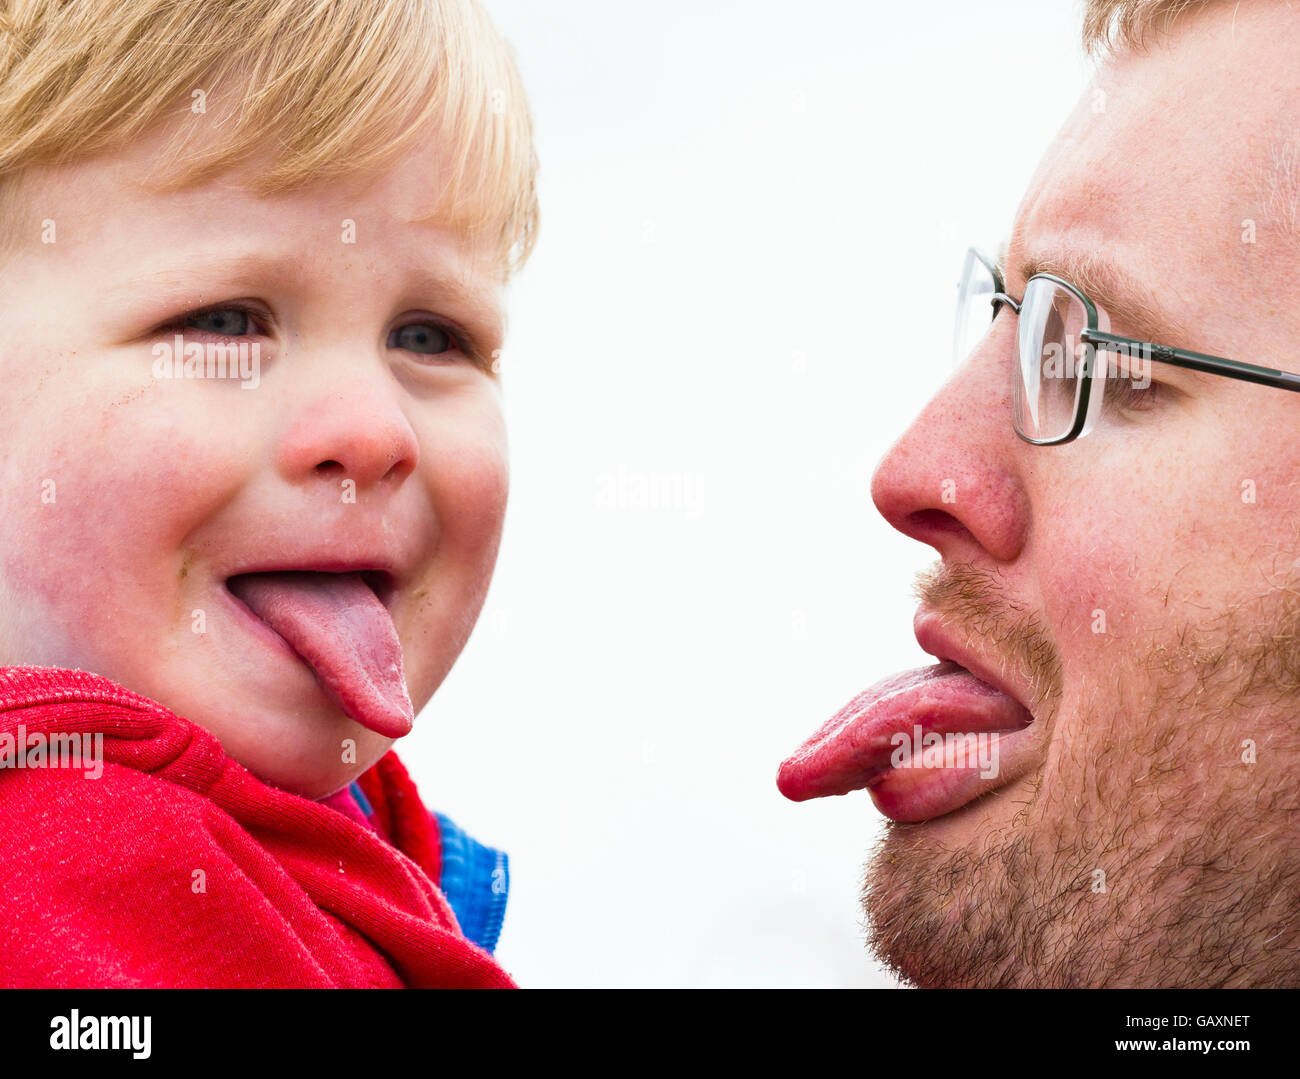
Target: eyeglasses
[(1058, 379)]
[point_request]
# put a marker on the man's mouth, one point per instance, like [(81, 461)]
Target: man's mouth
[(339, 626), (923, 743)]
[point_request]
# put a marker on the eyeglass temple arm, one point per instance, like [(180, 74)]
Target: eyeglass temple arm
[(1196, 361)]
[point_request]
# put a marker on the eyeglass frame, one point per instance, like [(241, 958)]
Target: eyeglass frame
[(1105, 341)]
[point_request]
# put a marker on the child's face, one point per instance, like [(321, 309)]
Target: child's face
[(127, 500)]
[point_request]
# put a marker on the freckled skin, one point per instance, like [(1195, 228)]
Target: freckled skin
[(1140, 768), (166, 486)]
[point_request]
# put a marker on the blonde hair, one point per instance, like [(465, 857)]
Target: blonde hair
[(1108, 24), (337, 84)]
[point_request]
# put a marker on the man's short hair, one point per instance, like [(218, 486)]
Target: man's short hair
[(1110, 24)]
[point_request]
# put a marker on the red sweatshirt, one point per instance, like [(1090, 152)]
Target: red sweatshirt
[(176, 867)]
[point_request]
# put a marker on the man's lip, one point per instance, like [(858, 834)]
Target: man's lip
[(936, 640)]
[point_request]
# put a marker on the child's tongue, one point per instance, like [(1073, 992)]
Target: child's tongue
[(339, 627)]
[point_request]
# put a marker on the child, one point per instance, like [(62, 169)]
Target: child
[(253, 481)]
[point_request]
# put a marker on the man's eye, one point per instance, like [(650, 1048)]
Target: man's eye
[(422, 337), (1129, 387), (1122, 394), (222, 321)]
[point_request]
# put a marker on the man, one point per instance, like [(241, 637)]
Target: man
[(1118, 594)]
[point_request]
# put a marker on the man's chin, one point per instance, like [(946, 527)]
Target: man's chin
[(1035, 896), (931, 890)]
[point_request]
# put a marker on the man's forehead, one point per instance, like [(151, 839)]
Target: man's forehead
[(1155, 214), (1187, 142)]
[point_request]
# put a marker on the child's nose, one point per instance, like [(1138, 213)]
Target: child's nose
[(353, 434)]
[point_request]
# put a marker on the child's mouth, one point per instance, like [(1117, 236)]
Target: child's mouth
[(339, 627)]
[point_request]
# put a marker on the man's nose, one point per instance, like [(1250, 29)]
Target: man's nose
[(952, 480), (354, 429)]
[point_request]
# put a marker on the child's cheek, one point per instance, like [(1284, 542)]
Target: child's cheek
[(474, 496), (470, 477), (468, 482), (94, 516)]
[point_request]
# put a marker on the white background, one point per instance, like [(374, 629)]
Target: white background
[(753, 219)]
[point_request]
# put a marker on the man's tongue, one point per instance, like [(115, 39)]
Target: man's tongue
[(338, 626), (854, 747)]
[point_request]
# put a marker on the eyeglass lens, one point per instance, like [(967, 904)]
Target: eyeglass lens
[(1047, 379)]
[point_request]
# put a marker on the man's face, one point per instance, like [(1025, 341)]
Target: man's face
[(371, 440), (1136, 588)]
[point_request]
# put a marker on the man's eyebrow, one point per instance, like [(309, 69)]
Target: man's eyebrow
[(1129, 303)]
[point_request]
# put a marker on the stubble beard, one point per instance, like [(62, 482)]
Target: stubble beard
[(1151, 854)]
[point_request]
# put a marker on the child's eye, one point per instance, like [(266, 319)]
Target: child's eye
[(427, 338), (423, 338), (222, 321)]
